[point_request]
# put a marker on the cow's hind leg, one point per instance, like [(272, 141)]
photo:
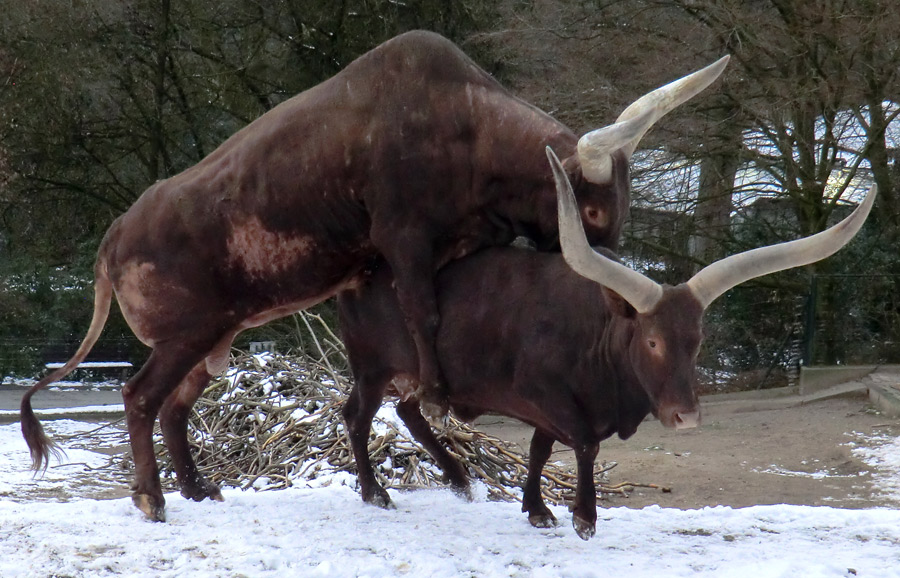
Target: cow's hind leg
[(420, 429), (539, 514), (144, 394), (359, 410), (173, 421)]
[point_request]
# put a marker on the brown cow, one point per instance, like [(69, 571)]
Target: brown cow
[(412, 153), (523, 335)]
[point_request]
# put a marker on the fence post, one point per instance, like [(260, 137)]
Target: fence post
[(809, 331)]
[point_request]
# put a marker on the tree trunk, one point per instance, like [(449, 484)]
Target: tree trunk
[(712, 217), (158, 166)]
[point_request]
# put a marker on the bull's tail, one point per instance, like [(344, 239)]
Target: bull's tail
[(39, 444)]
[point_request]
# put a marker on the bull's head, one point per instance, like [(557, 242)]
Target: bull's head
[(667, 320), (600, 161)]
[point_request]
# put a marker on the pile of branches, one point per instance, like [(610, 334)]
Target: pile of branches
[(273, 421)]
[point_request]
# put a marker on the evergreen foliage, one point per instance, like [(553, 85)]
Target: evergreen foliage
[(99, 99)]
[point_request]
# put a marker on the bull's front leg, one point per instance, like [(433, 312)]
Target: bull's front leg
[(412, 262), (584, 510)]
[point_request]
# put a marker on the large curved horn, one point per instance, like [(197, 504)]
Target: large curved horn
[(649, 109), (596, 147), (719, 277), (641, 292)]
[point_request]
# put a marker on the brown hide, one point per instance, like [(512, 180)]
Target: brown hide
[(523, 335), (412, 153)]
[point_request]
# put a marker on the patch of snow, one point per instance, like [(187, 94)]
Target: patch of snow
[(328, 531), (882, 452), (112, 408), (322, 528)]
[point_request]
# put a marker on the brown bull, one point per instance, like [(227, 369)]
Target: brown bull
[(412, 153), (580, 358)]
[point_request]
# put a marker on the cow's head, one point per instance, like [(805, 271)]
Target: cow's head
[(667, 320), (598, 170)]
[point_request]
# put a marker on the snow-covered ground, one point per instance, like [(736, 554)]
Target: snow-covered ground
[(328, 531)]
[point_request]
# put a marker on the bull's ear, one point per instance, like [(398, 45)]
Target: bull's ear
[(617, 305), (572, 167)]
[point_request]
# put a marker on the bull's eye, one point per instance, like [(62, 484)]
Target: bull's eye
[(651, 343), (596, 216)]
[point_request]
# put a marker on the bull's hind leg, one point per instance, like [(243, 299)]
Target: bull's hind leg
[(359, 410), (173, 421), (144, 394), (539, 514), (420, 429)]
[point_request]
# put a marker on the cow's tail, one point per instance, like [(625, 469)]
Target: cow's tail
[(39, 444)]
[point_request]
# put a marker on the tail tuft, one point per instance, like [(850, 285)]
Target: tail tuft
[(39, 444)]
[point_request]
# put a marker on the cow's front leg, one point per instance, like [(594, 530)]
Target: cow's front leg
[(539, 514), (584, 510), (421, 431)]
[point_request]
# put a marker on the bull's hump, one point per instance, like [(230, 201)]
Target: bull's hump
[(417, 57)]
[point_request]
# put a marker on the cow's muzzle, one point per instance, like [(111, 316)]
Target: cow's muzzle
[(687, 420)]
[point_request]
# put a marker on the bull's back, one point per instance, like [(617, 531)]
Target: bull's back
[(279, 216), (300, 174)]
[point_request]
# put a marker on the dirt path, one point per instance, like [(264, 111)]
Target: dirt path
[(742, 456)]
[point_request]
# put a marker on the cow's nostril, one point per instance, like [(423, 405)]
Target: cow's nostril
[(687, 420)]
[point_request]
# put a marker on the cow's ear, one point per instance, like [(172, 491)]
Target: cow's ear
[(617, 305)]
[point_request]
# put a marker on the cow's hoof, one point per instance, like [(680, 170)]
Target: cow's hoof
[(201, 491), (547, 520), (464, 492), (381, 500), (153, 508), (583, 528)]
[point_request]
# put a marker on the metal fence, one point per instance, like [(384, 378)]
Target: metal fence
[(852, 320), (757, 337), (753, 339)]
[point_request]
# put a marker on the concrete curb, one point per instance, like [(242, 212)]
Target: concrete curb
[(884, 390), (69, 403), (777, 398), (881, 384)]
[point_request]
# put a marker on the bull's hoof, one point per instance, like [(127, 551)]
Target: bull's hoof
[(583, 528), (433, 404), (202, 490), (153, 508), (547, 520), (435, 411)]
